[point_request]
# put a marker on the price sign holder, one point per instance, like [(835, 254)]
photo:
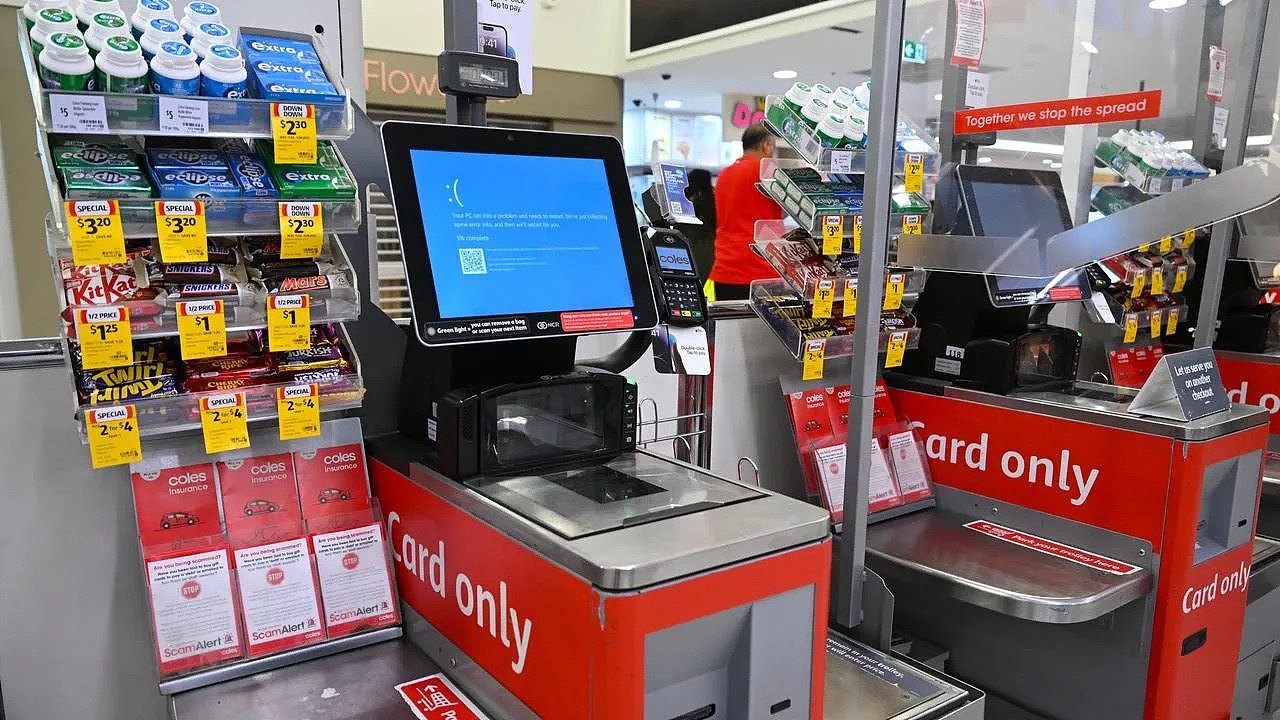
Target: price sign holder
[(113, 436), (1130, 327), (1188, 237), (832, 235), (1144, 247), (814, 355), (293, 132), (298, 407), (915, 173), (896, 349), (894, 288), (288, 322), (105, 337), (857, 234), (1180, 278), (1166, 244), (95, 231), (850, 298), (1157, 281), (183, 233), (224, 421), (912, 225), (202, 329), (1139, 284), (823, 298), (1171, 325), (301, 230), (1156, 321)]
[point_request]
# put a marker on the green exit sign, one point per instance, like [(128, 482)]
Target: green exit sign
[(914, 51)]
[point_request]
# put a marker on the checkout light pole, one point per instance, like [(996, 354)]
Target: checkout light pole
[(882, 130)]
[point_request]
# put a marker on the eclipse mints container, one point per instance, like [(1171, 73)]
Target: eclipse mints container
[(147, 11), (86, 9), (121, 68), (159, 31), (224, 73), (65, 64), (31, 9), (102, 26), (174, 70), (51, 21)]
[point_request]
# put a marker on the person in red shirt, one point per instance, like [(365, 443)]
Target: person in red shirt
[(739, 204)]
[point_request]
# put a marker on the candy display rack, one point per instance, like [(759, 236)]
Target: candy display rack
[(910, 210), (786, 124), (784, 311)]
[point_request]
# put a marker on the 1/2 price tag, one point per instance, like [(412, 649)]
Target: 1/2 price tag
[(1171, 324), (1156, 321), (1130, 327), (180, 225), (912, 225), (896, 349), (202, 329), (857, 234), (288, 322), (224, 420), (894, 288), (850, 298), (1157, 281), (1139, 284), (105, 337), (113, 436), (97, 236), (814, 354), (298, 407), (914, 167), (301, 230), (823, 298), (1180, 278), (832, 235), (1166, 244), (293, 131), (1188, 237)]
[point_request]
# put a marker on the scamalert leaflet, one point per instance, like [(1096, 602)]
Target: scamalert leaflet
[(355, 580), (435, 698), (278, 596), (193, 610)]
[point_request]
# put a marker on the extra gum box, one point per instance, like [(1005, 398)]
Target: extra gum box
[(313, 181), (299, 52), (196, 183)]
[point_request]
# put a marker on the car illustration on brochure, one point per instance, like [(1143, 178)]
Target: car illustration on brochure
[(178, 519), (253, 507), (329, 495)]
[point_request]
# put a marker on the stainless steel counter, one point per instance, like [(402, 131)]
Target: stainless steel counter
[(863, 684)]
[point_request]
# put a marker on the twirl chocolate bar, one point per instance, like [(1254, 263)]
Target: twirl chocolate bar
[(163, 386), (90, 380)]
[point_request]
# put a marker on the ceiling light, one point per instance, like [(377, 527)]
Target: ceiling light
[(1166, 4), (1047, 161), (1056, 165), (673, 104), (1090, 47), (984, 160), (938, 97), (1224, 3), (785, 74)]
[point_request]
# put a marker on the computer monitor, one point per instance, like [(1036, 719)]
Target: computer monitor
[(514, 234)]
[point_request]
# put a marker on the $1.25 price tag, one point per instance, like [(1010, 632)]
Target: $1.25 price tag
[(914, 167), (814, 353), (301, 230), (896, 349), (180, 225), (894, 288), (823, 298), (288, 322), (850, 297), (113, 436), (105, 337), (202, 329), (97, 236), (298, 407), (293, 131), (832, 235), (224, 421)]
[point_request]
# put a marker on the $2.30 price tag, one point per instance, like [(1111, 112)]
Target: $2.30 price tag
[(202, 329), (293, 131), (850, 298), (814, 353), (288, 322), (823, 298), (894, 288), (298, 407), (224, 420), (912, 225), (113, 436), (105, 337), (97, 236), (896, 349), (1130, 327), (301, 230), (914, 167), (180, 225), (832, 235)]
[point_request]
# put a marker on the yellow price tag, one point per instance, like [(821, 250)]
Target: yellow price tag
[(1156, 321), (1157, 281), (1139, 284), (912, 225), (293, 131), (288, 322), (97, 235), (1171, 324), (915, 173), (1144, 247), (1166, 244), (814, 353), (180, 225), (1180, 278), (894, 288), (823, 298), (301, 230), (298, 407), (832, 235), (1188, 237), (224, 421), (202, 329), (105, 337), (850, 298), (1130, 327), (857, 234), (896, 349), (113, 436)]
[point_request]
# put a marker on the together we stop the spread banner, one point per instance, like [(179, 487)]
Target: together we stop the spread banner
[(1054, 113)]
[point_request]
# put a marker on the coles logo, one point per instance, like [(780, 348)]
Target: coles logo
[(190, 590), (350, 561), (338, 458), (267, 468), (275, 576), (189, 479)]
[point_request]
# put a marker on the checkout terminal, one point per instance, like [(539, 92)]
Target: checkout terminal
[(558, 569)]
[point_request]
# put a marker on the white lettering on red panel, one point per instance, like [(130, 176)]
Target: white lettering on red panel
[(1221, 586)]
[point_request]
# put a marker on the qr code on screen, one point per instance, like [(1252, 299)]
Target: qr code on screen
[(472, 260)]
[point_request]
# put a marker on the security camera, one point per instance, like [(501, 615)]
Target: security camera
[(666, 76), (637, 102)]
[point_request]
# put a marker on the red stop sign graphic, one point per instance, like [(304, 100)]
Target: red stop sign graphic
[(275, 576), (350, 561), (190, 590)]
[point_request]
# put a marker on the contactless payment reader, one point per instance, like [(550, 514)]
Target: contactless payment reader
[(583, 578)]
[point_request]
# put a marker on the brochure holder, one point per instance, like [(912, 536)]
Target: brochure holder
[(900, 479), (1184, 386), (670, 182)]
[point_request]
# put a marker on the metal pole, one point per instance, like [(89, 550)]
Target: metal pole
[(1237, 134), (882, 129), (954, 79), (1079, 141), (461, 22), (1202, 121)]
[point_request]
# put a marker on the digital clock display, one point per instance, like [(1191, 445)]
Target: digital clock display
[(481, 75)]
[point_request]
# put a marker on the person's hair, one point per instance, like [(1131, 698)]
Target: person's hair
[(755, 136), (700, 178)]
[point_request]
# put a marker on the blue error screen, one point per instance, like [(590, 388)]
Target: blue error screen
[(519, 234)]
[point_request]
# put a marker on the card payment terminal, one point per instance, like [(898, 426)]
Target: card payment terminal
[(675, 279)]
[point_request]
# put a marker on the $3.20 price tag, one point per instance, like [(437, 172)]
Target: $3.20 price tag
[(202, 329), (288, 322), (298, 407), (894, 288), (105, 337), (293, 131), (850, 298), (914, 167), (224, 421), (912, 225), (823, 298), (1130, 327), (896, 349), (180, 225), (301, 230), (814, 353), (832, 235), (97, 236), (113, 436)]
